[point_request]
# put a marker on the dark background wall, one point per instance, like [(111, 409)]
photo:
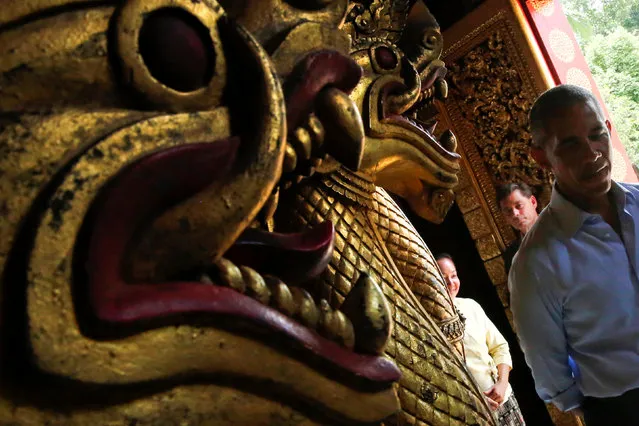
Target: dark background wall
[(450, 11), (452, 237)]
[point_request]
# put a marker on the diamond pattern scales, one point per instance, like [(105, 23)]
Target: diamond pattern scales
[(434, 389), (413, 259)]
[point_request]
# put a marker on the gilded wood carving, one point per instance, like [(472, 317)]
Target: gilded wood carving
[(195, 226)]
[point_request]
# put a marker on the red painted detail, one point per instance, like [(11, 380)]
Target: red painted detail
[(315, 72), (385, 57)]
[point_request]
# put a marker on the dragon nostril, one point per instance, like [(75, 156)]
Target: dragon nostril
[(386, 58), (430, 40), (177, 49)]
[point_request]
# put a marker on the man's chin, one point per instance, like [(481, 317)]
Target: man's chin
[(594, 190), (598, 184)]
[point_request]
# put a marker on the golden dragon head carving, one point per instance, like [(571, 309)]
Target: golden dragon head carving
[(142, 142), (403, 73)]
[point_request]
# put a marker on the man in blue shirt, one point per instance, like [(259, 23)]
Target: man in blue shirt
[(574, 282)]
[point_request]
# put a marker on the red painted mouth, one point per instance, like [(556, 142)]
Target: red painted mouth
[(425, 141), (427, 96), (423, 130)]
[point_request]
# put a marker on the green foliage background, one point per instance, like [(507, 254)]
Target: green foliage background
[(608, 34)]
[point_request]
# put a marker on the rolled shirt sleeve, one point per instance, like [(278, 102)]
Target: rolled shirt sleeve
[(537, 313)]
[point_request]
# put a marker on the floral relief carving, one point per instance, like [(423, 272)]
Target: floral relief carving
[(489, 92)]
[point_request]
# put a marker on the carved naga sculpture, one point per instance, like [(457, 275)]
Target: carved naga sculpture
[(194, 227)]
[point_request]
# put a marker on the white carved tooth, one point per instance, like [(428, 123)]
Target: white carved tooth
[(442, 89), (255, 285), (204, 278), (230, 275), (281, 297), (335, 326), (305, 308)]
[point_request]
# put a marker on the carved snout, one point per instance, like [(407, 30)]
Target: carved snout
[(399, 103)]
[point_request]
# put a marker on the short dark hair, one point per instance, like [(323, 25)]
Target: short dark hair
[(552, 100), (441, 256), (503, 191)]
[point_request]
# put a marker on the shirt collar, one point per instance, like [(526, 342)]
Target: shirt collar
[(571, 217)]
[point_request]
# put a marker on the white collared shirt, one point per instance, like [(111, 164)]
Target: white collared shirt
[(484, 345)]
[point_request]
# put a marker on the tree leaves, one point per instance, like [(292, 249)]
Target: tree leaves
[(608, 33)]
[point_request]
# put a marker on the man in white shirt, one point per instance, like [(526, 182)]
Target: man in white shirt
[(574, 283), (487, 353)]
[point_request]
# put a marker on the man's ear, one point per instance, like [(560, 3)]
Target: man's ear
[(533, 201), (609, 125), (539, 155)]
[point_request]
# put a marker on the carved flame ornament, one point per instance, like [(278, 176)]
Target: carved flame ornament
[(195, 226)]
